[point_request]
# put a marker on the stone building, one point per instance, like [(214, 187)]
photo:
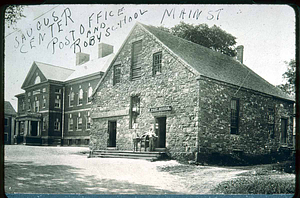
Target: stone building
[(9, 123), (199, 101), (55, 107)]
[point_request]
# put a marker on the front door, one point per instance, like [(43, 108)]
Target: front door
[(160, 130), (112, 133)]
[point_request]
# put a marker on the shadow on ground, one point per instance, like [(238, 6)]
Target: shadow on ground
[(27, 177)]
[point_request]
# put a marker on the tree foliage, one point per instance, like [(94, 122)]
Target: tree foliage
[(13, 13), (290, 77), (212, 37)]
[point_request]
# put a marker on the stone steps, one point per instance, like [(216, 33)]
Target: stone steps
[(151, 156)]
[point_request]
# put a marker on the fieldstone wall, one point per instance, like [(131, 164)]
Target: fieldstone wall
[(175, 86), (253, 137)]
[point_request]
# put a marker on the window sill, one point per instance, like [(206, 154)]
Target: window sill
[(57, 107), (79, 105)]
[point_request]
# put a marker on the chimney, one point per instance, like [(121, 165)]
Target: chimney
[(240, 53), (104, 50), (82, 58)]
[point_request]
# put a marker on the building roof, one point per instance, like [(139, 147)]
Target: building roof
[(62, 74), (92, 66), (53, 72), (215, 65), (8, 109)]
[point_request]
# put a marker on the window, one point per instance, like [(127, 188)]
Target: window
[(57, 102), (136, 60), (234, 127), (29, 94), (44, 101), (56, 125), (88, 121), (35, 92), (57, 90), (5, 122), (77, 141), (70, 142), (79, 122), (37, 106), (80, 97), (44, 124), (157, 63), (71, 98), (37, 80), (86, 141), (71, 123), (135, 109), (271, 121), (283, 135), (44, 89), (117, 74), (23, 105), (90, 92), (29, 105)]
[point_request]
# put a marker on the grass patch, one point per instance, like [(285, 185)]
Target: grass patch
[(261, 184)]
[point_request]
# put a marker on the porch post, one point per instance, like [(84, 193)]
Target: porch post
[(38, 128), (29, 127), (12, 130), (25, 131), (17, 128), (17, 132)]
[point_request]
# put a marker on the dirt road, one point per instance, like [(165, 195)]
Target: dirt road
[(38, 169)]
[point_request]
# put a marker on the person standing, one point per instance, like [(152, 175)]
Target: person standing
[(135, 139), (152, 137)]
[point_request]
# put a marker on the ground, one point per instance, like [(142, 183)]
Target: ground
[(37, 169)]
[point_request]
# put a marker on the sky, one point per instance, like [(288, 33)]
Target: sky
[(53, 34)]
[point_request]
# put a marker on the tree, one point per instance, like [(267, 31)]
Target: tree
[(13, 13), (212, 37), (290, 77)]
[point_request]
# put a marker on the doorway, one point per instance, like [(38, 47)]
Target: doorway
[(34, 128), (112, 133), (160, 131)]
